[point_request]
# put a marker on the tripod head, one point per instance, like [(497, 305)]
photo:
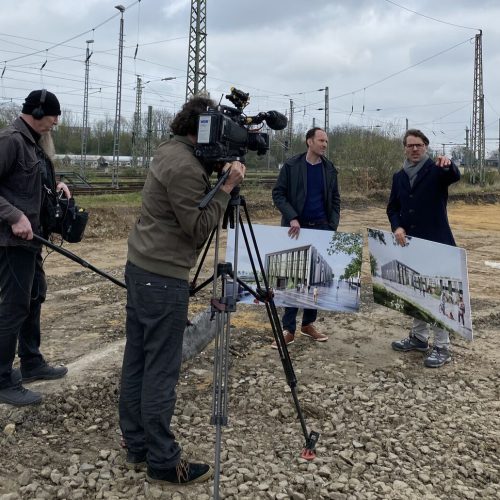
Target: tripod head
[(235, 201)]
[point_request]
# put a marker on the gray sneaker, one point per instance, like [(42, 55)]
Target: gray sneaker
[(438, 357), (17, 395), (44, 372), (410, 343)]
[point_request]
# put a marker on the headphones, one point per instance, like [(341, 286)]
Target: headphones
[(38, 113)]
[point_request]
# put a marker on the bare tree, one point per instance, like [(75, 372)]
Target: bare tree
[(8, 113)]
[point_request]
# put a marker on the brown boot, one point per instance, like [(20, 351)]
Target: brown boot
[(310, 331), (289, 339)]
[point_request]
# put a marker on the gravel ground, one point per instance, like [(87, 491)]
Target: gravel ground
[(389, 428)]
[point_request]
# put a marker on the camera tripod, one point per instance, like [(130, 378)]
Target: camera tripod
[(221, 309)]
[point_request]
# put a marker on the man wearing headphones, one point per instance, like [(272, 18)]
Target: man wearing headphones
[(26, 176)]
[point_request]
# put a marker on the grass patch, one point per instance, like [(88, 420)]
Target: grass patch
[(491, 184), (252, 195), (261, 195), (110, 200)]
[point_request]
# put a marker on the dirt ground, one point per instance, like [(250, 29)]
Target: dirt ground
[(389, 427)]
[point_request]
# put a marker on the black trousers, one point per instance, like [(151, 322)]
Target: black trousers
[(157, 309), (22, 292)]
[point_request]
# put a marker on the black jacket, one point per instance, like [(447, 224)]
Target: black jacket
[(421, 210), (289, 192), (20, 181)]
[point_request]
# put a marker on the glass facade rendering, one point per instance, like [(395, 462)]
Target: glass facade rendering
[(297, 266)]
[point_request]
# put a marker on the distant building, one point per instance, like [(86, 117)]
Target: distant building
[(94, 161)]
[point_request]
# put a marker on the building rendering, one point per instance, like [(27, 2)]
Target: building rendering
[(400, 273), (297, 266)]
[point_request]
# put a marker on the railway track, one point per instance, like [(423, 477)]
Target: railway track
[(97, 190), (137, 187)]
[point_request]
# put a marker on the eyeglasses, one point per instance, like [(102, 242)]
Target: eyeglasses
[(413, 146)]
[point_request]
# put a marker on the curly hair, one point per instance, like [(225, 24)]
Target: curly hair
[(186, 120)]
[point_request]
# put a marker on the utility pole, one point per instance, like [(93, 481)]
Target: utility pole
[(270, 135), (197, 55), (137, 130), (327, 110), (327, 118), (406, 124), (290, 129), (116, 128), (478, 139), (149, 134), (85, 125), (467, 159)]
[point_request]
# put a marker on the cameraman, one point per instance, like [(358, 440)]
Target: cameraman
[(26, 172), (163, 246)]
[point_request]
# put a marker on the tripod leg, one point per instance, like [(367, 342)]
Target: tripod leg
[(219, 397), (222, 309), (310, 438)]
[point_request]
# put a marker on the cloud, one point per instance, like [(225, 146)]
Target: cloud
[(276, 50)]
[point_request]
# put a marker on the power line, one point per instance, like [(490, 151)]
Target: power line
[(71, 38), (402, 70), (432, 18), (287, 95)]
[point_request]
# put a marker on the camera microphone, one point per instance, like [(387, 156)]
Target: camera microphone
[(274, 120)]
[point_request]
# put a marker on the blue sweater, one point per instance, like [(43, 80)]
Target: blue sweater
[(314, 207)]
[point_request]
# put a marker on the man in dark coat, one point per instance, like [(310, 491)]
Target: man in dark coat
[(307, 195), (417, 207)]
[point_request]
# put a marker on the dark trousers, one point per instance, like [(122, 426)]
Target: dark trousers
[(157, 309), (289, 320), (22, 292)]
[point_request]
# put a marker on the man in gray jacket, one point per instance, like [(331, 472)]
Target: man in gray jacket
[(26, 174), (307, 195), (162, 248)]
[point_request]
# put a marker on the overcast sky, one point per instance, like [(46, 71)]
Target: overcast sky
[(382, 63)]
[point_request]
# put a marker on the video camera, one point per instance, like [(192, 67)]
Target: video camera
[(224, 133)]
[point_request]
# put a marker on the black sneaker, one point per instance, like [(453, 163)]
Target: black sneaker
[(183, 473), (438, 357), (410, 343), (17, 395), (44, 372), (136, 461)]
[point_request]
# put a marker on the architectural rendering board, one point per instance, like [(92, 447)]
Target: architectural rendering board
[(319, 270), (423, 279)]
